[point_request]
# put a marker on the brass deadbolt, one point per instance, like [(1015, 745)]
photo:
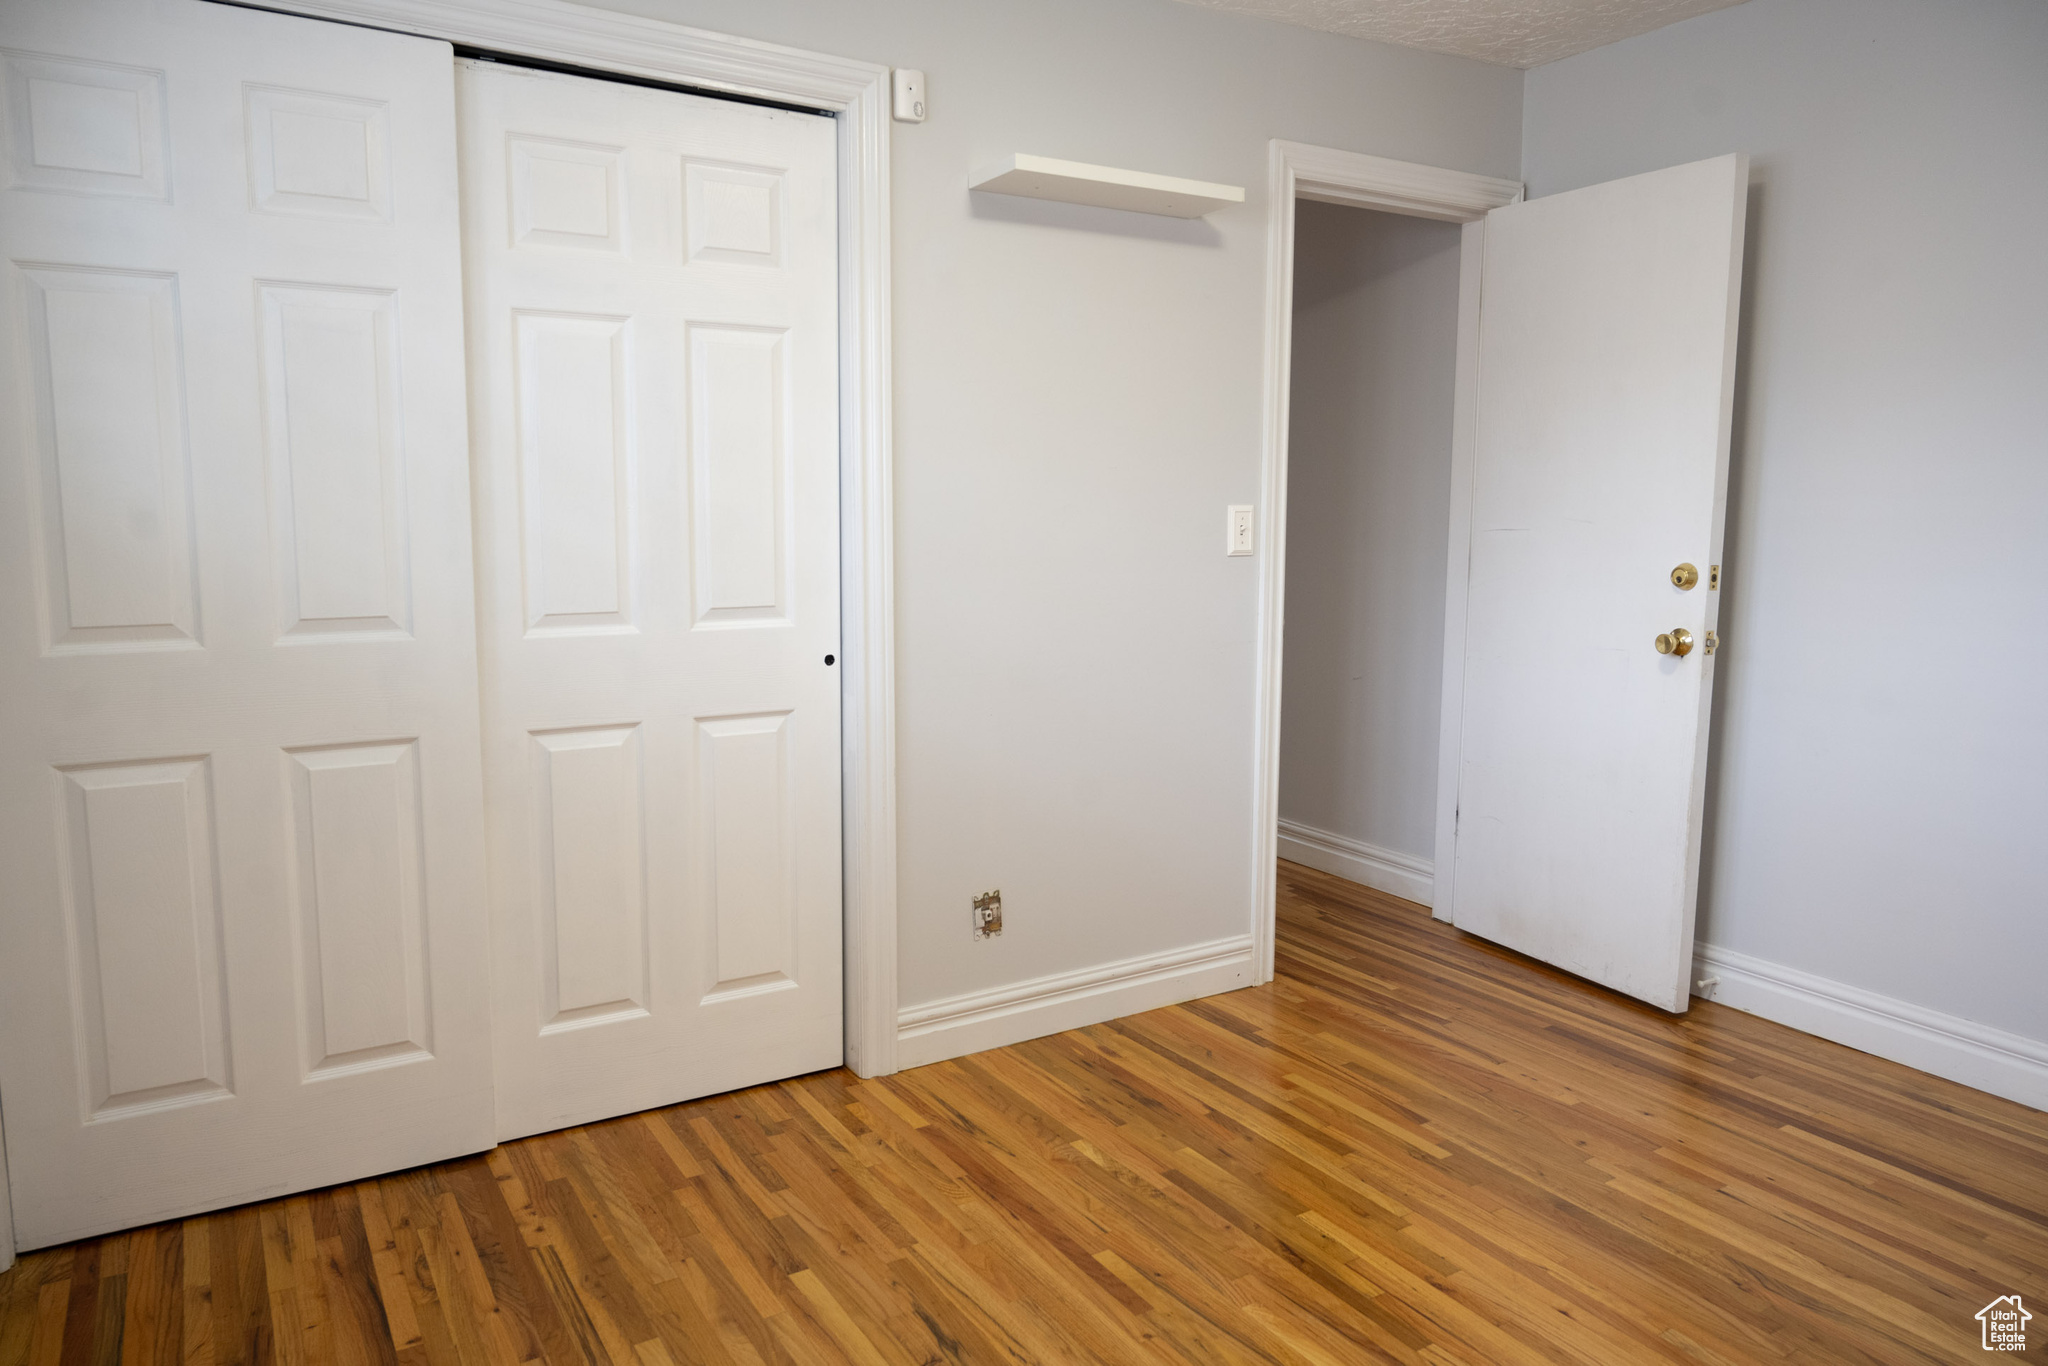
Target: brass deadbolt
[(1685, 576), (1677, 641)]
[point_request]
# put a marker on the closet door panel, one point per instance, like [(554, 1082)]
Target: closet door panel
[(242, 934), (653, 323)]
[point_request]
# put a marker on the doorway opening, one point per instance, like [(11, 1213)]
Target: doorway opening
[(1371, 405), (1589, 425), (1303, 178)]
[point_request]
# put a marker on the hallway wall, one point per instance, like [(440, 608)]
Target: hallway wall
[(1368, 511)]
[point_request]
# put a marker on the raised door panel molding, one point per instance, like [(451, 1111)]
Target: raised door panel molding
[(732, 214), (739, 459), (85, 127), (591, 882), (575, 472), (743, 765), (338, 521), (141, 898), (358, 870), (317, 155), (567, 194), (114, 472)]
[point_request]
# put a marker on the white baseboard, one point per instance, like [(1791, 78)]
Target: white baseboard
[(1383, 870), (1011, 1014), (1945, 1045)]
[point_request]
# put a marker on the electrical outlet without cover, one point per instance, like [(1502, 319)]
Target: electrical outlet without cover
[(988, 914)]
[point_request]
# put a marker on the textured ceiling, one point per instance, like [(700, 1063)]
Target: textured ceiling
[(1506, 32)]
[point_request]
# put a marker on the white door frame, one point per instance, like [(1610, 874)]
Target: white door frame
[(6, 1208), (1298, 171), (858, 93)]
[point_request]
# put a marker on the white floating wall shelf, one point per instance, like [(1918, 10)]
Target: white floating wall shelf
[(1076, 182)]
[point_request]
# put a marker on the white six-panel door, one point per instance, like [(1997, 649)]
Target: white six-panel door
[(1605, 377), (652, 285), (242, 920)]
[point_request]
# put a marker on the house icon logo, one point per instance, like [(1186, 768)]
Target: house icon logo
[(2005, 1324)]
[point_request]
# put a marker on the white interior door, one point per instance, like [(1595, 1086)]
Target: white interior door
[(1606, 369), (242, 918), (652, 308)]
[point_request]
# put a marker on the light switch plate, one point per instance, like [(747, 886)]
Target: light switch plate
[(1238, 529), (908, 91)]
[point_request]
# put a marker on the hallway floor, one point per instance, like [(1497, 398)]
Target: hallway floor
[(1411, 1147)]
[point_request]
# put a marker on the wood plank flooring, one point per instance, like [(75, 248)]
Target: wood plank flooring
[(1412, 1147)]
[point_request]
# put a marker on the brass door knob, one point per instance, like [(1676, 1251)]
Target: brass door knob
[(1678, 641), (1685, 576)]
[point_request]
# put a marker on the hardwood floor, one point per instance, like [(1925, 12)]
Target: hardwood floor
[(1412, 1147)]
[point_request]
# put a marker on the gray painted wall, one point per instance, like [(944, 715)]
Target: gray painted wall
[(1368, 514), (1077, 400), (1879, 807)]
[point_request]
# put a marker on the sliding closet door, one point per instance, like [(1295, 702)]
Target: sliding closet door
[(242, 930), (652, 286)]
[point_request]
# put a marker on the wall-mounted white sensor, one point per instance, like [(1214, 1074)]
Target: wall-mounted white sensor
[(909, 88)]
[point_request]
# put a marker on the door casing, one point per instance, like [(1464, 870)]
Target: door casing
[(857, 93), (1300, 171)]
